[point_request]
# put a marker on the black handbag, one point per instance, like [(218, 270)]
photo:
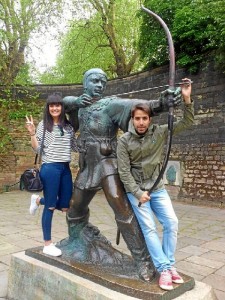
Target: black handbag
[(30, 179)]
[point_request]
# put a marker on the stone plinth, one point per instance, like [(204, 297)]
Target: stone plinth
[(30, 278)]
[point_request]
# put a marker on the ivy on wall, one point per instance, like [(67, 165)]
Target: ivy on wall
[(15, 104)]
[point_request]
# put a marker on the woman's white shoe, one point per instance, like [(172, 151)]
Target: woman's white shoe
[(33, 204), (52, 250)]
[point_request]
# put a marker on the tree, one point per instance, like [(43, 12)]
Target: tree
[(197, 34), (106, 37), (18, 20)]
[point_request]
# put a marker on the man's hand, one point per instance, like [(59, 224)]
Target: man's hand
[(186, 90), (145, 197), (84, 100)]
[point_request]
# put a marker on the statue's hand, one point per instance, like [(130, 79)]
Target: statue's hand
[(176, 99), (84, 100)]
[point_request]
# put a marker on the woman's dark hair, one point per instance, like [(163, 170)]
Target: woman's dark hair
[(47, 118), (141, 106)]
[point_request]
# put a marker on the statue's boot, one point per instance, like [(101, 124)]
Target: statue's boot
[(134, 239), (86, 244), (131, 233), (75, 225)]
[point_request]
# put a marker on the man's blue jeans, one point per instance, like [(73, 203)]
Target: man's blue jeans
[(159, 205)]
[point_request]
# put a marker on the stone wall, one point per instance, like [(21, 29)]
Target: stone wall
[(199, 152)]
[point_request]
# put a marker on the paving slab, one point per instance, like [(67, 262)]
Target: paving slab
[(192, 249), (198, 260), (215, 281), (215, 245), (220, 295)]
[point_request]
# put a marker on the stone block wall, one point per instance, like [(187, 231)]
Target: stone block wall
[(200, 151)]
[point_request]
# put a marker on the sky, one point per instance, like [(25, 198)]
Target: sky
[(45, 56), (44, 49)]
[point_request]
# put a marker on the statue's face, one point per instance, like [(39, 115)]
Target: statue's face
[(95, 85)]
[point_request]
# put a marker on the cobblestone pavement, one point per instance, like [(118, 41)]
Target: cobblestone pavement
[(201, 240)]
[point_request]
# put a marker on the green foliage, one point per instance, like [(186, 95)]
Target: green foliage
[(23, 77), (18, 21), (197, 27), (79, 52), (106, 38), (5, 139), (14, 110)]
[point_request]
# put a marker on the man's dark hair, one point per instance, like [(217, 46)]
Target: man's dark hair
[(141, 106)]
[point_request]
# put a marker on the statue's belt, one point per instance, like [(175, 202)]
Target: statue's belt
[(107, 145)]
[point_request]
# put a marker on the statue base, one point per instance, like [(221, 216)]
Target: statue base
[(31, 278)]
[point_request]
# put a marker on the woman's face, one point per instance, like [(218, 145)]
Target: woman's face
[(55, 110)]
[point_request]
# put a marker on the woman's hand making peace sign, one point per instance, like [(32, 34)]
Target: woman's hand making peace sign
[(30, 125)]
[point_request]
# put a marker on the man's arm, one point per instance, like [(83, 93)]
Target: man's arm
[(125, 174), (188, 117), (124, 168)]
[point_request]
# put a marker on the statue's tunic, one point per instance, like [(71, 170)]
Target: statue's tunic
[(98, 127)]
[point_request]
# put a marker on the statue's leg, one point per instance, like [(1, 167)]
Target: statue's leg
[(78, 213), (127, 223)]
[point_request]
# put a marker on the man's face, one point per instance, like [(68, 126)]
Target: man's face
[(95, 85), (141, 121)]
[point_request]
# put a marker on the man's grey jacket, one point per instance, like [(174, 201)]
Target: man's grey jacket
[(140, 156)]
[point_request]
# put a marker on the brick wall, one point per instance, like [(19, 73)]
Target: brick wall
[(199, 150)]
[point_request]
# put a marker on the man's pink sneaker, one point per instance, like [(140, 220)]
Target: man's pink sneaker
[(176, 278), (165, 280)]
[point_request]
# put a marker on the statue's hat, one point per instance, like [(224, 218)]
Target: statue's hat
[(93, 71)]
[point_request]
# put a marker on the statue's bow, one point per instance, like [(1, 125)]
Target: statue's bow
[(170, 102), (170, 97)]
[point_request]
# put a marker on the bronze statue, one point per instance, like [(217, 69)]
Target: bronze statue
[(98, 120)]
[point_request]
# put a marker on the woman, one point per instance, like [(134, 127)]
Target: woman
[(55, 172)]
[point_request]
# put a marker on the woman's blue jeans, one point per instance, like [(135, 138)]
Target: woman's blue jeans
[(161, 206), (57, 182)]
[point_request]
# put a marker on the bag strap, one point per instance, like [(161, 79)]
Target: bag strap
[(41, 149)]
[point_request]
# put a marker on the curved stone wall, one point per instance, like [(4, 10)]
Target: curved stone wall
[(197, 155)]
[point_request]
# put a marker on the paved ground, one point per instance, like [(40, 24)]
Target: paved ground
[(201, 241)]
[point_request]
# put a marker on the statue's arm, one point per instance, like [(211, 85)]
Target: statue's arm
[(70, 103), (156, 106), (120, 109), (71, 109), (161, 105), (74, 103)]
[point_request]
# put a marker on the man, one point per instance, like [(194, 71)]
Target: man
[(99, 120), (139, 154)]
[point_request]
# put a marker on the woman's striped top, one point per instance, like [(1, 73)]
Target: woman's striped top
[(58, 144)]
